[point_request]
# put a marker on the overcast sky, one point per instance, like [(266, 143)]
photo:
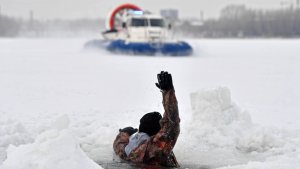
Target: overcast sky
[(72, 9)]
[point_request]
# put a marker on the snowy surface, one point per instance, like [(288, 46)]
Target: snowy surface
[(56, 148), (62, 106)]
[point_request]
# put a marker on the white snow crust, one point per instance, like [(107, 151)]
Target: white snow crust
[(221, 133), (53, 149), (61, 106)]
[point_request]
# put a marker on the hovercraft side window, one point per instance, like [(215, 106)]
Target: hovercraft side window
[(157, 22), (139, 22)]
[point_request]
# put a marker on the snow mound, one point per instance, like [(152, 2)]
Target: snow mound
[(221, 123), (52, 149), (12, 132), (222, 134)]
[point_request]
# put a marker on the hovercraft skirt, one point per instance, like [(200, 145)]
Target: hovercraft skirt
[(172, 49)]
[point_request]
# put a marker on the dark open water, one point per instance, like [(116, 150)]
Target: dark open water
[(125, 165)]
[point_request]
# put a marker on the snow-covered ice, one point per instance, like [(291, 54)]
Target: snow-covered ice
[(54, 148), (62, 106), (221, 133)]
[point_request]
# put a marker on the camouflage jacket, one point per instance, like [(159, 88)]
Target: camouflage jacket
[(158, 149)]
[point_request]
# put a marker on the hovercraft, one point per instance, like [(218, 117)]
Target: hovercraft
[(131, 30)]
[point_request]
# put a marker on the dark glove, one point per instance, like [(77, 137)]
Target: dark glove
[(165, 82), (128, 130)]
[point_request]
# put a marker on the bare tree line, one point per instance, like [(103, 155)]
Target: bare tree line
[(235, 21), (239, 21), (12, 27), (9, 26)]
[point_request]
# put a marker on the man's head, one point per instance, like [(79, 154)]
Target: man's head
[(149, 123)]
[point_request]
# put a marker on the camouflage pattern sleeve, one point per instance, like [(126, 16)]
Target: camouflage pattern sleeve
[(120, 143), (158, 150)]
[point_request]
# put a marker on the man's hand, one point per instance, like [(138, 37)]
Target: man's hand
[(128, 130), (165, 82)]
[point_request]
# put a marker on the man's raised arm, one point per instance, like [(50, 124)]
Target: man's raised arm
[(170, 121), (161, 145)]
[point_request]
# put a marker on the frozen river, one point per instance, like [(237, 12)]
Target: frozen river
[(61, 106)]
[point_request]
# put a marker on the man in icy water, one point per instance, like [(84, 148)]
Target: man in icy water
[(157, 135)]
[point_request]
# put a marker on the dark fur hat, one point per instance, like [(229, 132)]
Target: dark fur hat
[(149, 123)]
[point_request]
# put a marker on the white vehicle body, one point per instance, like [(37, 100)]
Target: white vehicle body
[(141, 28)]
